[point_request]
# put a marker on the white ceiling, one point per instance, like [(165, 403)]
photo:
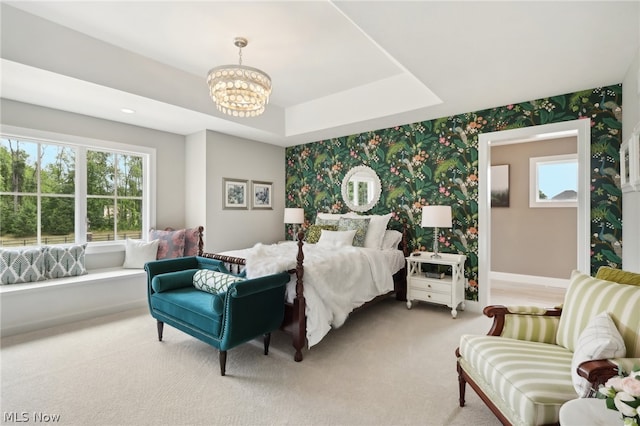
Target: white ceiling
[(338, 67)]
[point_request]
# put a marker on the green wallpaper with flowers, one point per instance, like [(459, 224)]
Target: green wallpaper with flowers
[(436, 162)]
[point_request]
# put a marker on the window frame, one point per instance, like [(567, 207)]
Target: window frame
[(82, 144), (534, 187)]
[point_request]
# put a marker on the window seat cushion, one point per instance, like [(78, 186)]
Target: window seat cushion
[(92, 276)]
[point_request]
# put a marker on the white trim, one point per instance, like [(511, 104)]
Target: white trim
[(582, 129), (529, 279)]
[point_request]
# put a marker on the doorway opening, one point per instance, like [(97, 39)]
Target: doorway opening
[(578, 128)]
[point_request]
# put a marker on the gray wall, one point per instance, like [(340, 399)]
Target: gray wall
[(532, 241), (231, 157)]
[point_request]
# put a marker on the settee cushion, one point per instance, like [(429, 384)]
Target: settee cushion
[(213, 281), (529, 380), (22, 265), (172, 280), (191, 306), (599, 340), (586, 297)]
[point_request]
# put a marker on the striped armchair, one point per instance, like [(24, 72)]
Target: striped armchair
[(522, 369)]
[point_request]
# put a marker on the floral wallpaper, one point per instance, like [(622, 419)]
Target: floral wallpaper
[(436, 162)]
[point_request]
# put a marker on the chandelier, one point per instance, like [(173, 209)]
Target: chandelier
[(238, 90)]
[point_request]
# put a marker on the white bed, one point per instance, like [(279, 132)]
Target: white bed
[(337, 279)]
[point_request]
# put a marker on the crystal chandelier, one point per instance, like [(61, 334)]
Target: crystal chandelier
[(238, 90)]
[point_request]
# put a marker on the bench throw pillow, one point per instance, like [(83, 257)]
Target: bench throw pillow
[(22, 265), (213, 281), (599, 340), (65, 261)]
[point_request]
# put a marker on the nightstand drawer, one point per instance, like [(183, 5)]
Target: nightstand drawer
[(429, 296), (430, 285)]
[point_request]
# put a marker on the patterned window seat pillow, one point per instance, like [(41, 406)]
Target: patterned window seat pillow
[(23, 265), (65, 261), (213, 282), (174, 243)]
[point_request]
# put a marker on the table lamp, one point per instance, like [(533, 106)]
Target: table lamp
[(436, 217), (294, 216)]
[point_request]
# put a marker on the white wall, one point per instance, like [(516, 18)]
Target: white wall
[(631, 200)]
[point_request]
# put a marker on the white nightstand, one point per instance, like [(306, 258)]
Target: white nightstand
[(445, 291)]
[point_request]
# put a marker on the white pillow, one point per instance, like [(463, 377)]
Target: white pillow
[(391, 239), (599, 340), (375, 230), (336, 238), (138, 252)]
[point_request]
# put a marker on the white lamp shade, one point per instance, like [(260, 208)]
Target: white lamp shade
[(436, 217), (294, 215)]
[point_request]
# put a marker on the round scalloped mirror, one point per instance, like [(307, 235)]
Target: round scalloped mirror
[(361, 188)]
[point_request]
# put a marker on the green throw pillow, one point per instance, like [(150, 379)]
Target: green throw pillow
[(314, 231), (213, 281), (618, 276), (359, 225)]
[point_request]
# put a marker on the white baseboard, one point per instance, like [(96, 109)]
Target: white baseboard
[(529, 279)]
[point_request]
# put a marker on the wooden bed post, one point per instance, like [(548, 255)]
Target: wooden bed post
[(299, 305)]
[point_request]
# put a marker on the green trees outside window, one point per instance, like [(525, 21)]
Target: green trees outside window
[(42, 199)]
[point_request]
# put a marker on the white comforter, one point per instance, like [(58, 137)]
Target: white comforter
[(336, 279)]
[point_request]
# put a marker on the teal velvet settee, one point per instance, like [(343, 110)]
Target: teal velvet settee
[(246, 310)]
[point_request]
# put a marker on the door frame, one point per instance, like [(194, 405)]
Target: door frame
[(582, 130)]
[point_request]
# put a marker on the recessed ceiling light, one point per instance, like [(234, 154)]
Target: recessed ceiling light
[(128, 111)]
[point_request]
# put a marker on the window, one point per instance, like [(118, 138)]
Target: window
[(53, 192), (553, 181)]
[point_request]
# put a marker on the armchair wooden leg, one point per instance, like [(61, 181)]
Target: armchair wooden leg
[(160, 328), (223, 362), (267, 340), (462, 386)]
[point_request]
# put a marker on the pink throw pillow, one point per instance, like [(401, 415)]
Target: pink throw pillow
[(170, 244)]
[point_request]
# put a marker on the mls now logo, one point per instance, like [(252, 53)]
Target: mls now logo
[(25, 417)]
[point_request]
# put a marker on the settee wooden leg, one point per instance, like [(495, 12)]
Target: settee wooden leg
[(223, 362), (267, 340), (462, 385), (160, 328)]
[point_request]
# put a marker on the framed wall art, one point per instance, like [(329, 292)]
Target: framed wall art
[(261, 193), (500, 186), (234, 193)]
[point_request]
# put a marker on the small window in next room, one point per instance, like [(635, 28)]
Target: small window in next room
[(553, 181)]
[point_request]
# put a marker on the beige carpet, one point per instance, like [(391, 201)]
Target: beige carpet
[(386, 366)]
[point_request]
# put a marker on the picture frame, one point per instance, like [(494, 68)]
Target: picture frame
[(261, 195), (500, 185), (234, 194)]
